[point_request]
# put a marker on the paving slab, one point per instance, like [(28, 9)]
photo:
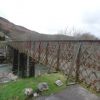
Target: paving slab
[(75, 92)]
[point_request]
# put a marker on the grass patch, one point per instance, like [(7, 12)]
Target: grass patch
[(14, 90)]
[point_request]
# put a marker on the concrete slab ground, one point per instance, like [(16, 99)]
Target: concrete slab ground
[(75, 92)]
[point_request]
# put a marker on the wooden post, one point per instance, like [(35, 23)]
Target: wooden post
[(18, 63), (31, 67), (15, 61), (78, 64), (58, 57), (46, 60), (22, 64), (39, 52), (28, 64)]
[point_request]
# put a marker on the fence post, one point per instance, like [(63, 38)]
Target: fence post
[(28, 64), (78, 63), (15, 61), (39, 51), (22, 64), (18, 63), (46, 53), (58, 57)]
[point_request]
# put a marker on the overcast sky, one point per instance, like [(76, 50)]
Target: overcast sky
[(52, 16)]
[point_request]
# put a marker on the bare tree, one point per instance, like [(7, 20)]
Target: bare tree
[(85, 36)]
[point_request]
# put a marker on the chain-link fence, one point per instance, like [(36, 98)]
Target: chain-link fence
[(77, 58)]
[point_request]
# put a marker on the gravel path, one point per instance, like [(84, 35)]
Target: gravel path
[(5, 69), (74, 92)]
